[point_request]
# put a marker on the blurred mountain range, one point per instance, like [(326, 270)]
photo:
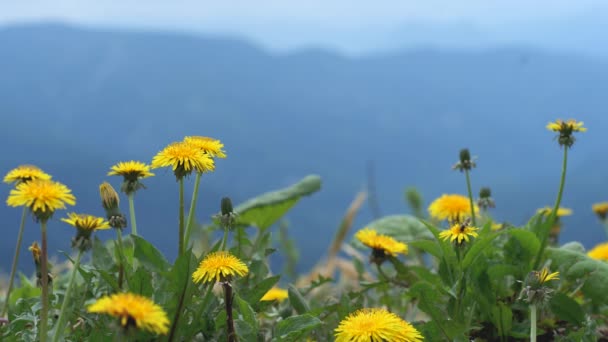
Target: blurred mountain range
[(76, 101)]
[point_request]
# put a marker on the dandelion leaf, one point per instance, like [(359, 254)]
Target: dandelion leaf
[(403, 228), (295, 328)]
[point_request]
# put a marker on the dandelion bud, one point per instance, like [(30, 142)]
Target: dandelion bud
[(226, 206), (465, 156), (465, 162), (109, 196), (36, 252), (485, 200)]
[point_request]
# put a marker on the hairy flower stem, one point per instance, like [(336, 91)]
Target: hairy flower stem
[(44, 282), (132, 213), (121, 257), (533, 323), (224, 239), (553, 216), (190, 220), (181, 216), (228, 297), (468, 177), (15, 262), (66, 299)]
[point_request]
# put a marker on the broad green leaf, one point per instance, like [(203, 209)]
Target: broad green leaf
[(140, 282), (298, 301), (502, 316), (247, 314), (253, 294), (567, 309), (149, 256), (296, 328), (428, 246), (101, 256), (110, 279), (264, 210), (478, 247), (430, 302), (527, 239)]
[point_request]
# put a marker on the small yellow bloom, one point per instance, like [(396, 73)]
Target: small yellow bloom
[(451, 207), (560, 211), (218, 266), (36, 252), (25, 173), (275, 293), (600, 209), (496, 226), (42, 196), (133, 309), (572, 125), (372, 325), (86, 222), (387, 244), (458, 232), (131, 170), (544, 275), (209, 145), (599, 252), (183, 158)]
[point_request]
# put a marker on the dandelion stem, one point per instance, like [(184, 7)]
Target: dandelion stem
[(190, 220), (533, 323), (224, 239), (62, 315), (44, 282), (181, 216), (15, 262), (229, 320), (605, 222), (132, 213), (121, 257), (553, 216), (468, 178)]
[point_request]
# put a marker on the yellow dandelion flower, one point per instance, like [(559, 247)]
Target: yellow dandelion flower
[(135, 310), (458, 232), (560, 211), (451, 207), (86, 222), (36, 252), (131, 170), (218, 266), (275, 293), (183, 158), (42, 196), (387, 244), (571, 125), (600, 209), (544, 275), (599, 252), (213, 147), (369, 325), (24, 173)]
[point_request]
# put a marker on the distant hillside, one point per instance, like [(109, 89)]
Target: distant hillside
[(76, 101)]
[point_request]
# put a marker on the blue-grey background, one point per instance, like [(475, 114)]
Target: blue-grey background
[(306, 88)]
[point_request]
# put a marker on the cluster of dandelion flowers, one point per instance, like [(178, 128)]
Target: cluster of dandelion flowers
[(275, 293), (459, 232), (183, 158), (381, 243), (452, 207), (600, 209), (25, 173), (211, 146), (370, 325), (599, 252), (219, 266), (43, 197), (132, 171), (135, 310)]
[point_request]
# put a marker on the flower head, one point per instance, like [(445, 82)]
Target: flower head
[(601, 210), (453, 207), (535, 289), (465, 162), (566, 130), (219, 266), (209, 145), (369, 325), (599, 252), (134, 310), (25, 173), (42, 196), (459, 232), (544, 276), (183, 158), (275, 293), (382, 245), (86, 225), (560, 211), (132, 171)]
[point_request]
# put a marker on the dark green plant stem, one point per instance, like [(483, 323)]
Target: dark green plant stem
[(190, 220), (132, 213), (15, 261), (553, 216), (228, 297), (121, 258), (224, 239), (466, 174), (181, 216), (66, 299), (44, 282)]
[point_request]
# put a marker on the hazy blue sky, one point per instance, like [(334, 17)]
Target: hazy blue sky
[(352, 26)]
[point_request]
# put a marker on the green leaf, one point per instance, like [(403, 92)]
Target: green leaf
[(567, 309), (295, 328), (247, 313), (403, 228), (428, 246), (110, 279), (298, 301), (141, 282), (478, 247), (149, 256), (502, 317), (101, 256), (264, 210), (527, 239), (256, 292), (429, 302)]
